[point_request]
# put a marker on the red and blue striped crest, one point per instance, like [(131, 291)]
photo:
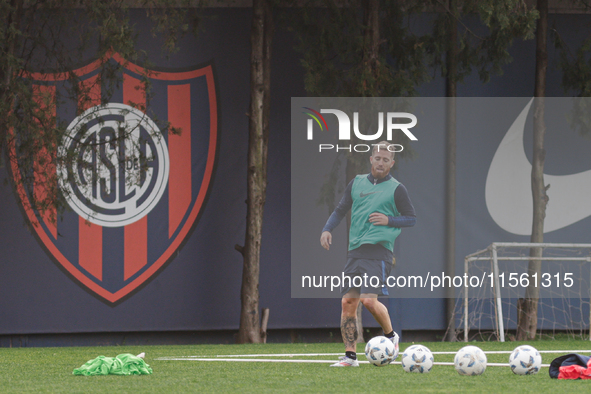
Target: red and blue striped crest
[(140, 178)]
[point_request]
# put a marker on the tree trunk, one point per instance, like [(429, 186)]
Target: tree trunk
[(450, 178), (370, 57), (4, 98), (261, 32), (12, 24), (528, 315), (351, 170), (372, 34)]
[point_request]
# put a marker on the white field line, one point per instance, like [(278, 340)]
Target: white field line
[(270, 355), (250, 360), (263, 360), (341, 353), (511, 351)]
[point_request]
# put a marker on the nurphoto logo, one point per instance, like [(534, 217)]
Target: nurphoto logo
[(344, 132)]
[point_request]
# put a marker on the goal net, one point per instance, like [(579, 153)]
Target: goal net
[(496, 278)]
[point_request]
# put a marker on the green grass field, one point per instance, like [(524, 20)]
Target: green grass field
[(49, 370)]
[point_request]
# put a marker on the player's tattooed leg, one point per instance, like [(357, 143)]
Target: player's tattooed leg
[(349, 331)]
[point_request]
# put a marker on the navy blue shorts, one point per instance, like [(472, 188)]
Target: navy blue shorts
[(367, 276)]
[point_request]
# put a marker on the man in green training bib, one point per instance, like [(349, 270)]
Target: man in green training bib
[(380, 207)]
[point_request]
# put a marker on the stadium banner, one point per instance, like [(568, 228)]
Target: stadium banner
[(141, 177), (198, 286), (494, 191)]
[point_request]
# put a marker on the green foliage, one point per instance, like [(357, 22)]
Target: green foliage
[(341, 58), (57, 36), (334, 49), (486, 51), (333, 41)]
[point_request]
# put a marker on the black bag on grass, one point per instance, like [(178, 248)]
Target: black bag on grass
[(571, 366)]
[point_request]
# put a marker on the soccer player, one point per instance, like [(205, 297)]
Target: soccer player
[(380, 207)]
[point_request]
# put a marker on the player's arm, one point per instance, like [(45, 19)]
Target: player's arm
[(407, 217), (336, 217)]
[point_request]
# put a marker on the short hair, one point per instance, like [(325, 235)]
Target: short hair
[(383, 145)]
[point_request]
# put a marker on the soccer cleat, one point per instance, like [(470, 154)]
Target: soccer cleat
[(395, 338), (346, 362)]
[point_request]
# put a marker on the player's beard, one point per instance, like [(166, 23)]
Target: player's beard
[(379, 174)]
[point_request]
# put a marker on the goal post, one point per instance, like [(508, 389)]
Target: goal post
[(501, 274)]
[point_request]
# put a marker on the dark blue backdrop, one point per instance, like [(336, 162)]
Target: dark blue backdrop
[(200, 288)]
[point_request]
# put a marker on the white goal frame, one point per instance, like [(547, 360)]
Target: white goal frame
[(490, 253)]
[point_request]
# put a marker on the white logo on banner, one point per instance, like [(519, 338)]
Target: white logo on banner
[(120, 166), (508, 188)]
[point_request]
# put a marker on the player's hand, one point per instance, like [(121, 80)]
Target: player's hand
[(378, 219), (326, 239)]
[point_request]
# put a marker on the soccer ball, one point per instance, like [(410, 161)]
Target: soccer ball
[(525, 360), (470, 360), (417, 358), (380, 351)]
